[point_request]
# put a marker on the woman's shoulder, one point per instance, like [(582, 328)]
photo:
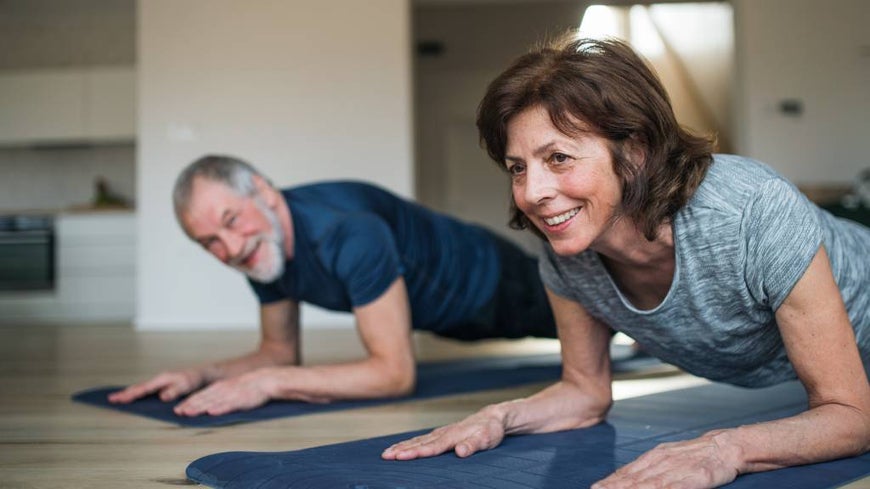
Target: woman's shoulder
[(731, 184), (714, 219), (731, 180)]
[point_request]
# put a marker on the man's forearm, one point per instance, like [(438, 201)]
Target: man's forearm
[(260, 358), (366, 379)]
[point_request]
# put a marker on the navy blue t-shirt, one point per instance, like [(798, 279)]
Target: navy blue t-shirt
[(352, 240)]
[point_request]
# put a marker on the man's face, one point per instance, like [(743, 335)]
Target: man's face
[(240, 231)]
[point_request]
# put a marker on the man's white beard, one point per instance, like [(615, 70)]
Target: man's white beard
[(271, 263)]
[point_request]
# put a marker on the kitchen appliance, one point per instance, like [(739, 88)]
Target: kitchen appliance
[(27, 252)]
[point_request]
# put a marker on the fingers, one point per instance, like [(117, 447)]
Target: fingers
[(465, 438), (200, 403), (690, 464), (137, 391), (173, 392), (221, 398), (428, 445), (169, 386)]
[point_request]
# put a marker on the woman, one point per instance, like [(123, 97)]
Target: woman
[(713, 263)]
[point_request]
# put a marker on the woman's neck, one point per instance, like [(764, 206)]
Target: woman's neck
[(625, 245)]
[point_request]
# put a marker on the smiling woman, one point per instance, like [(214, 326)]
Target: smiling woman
[(561, 183), (713, 263)]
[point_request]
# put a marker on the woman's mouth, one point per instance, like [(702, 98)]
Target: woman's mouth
[(560, 221)]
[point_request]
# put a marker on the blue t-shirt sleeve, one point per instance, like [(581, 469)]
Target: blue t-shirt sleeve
[(364, 256), (782, 235), (268, 293)]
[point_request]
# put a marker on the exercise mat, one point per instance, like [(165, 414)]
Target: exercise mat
[(434, 379), (568, 459)]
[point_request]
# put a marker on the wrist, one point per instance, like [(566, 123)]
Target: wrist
[(206, 375), (271, 381), (729, 448), (502, 413)]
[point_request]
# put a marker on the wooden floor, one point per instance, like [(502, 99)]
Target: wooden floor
[(46, 441)]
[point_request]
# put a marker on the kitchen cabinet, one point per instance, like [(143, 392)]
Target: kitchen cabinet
[(95, 274), (90, 105)]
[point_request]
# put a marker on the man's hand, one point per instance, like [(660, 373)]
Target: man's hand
[(701, 463), (480, 431), (168, 386), (239, 393)]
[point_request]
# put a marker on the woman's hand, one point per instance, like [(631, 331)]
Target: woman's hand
[(708, 461), (480, 431)]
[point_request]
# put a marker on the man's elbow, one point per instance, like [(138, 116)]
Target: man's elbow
[(400, 383)]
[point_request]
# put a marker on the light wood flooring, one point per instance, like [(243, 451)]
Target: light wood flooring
[(47, 441)]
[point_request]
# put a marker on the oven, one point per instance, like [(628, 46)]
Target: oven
[(27, 252)]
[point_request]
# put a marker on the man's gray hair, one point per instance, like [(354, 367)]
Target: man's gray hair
[(236, 174)]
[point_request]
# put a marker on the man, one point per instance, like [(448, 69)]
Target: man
[(343, 246)]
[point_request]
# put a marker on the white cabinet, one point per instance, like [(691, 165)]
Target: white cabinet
[(95, 274), (110, 104), (74, 105)]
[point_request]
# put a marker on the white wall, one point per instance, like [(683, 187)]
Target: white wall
[(305, 90), (816, 52), (63, 39)]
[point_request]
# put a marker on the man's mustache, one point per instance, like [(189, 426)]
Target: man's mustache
[(250, 246)]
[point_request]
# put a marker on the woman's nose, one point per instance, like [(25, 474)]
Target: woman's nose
[(540, 185)]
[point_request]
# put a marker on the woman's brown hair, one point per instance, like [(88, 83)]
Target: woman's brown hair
[(603, 87)]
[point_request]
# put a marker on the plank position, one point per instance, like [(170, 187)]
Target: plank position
[(343, 246)]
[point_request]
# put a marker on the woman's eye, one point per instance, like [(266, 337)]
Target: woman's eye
[(516, 169), (560, 157)]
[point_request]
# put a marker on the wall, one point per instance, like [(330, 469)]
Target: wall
[(58, 34), (819, 54), (479, 40), (694, 58), (305, 90)]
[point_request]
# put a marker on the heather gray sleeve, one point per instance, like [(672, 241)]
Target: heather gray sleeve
[(782, 235), (551, 274)]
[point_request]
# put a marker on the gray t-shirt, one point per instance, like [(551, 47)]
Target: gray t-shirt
[(742, 242)]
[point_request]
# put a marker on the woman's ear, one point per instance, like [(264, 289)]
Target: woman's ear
[(635, 152)]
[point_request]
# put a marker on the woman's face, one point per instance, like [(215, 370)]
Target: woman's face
[(565, 185)]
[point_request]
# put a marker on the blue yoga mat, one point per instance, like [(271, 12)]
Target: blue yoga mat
[(569, 459), (433, 380)]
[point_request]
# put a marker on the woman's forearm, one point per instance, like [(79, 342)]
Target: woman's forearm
[(561, 406), (826, 432)]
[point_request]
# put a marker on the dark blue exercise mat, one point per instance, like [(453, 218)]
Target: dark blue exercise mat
[(433, 380), (570, 459)]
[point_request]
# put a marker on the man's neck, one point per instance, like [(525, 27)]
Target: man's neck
[(285, 218)]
